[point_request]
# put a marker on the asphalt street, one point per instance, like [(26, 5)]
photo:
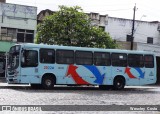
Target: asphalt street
[(63, 95)]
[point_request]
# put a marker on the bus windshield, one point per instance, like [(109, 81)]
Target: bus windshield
[(13, 59)]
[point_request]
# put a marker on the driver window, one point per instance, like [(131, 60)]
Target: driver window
[(30, 58)]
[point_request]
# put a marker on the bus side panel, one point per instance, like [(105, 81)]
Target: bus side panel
[(149, 76), (106, 74), (60, 72), (63, 75), (83, 74), (130, 75), (98, 75), (30, 75)]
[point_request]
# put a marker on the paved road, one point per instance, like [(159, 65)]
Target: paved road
[(24, 95)]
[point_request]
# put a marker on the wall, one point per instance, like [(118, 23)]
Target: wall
[(18, 16), (119, 28), (126, 45), (149, 47)]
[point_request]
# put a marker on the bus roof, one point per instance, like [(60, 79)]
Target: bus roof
[(32, 45)]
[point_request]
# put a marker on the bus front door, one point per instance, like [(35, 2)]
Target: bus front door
[(29, 67)]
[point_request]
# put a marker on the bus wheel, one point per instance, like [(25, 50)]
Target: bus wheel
[(119, 83), (48, 82)]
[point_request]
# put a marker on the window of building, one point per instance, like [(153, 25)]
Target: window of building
[(3, 31), (25, 35), (8, 33), (102, 27), (21, 35), (65, 56), (119, 59), (149, 61), (29, 38), (30, 31), (11, 32), (129, 38), (47, 56), (149, 40), (102, 59), (21, 30), (84, 58), (135, 60)]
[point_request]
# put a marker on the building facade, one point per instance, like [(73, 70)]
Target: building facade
[(96, 18), (17, 25), (146, 34)]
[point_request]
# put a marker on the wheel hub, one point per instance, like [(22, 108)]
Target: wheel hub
[(48, 82)]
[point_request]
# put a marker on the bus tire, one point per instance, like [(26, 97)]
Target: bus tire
[(119, 83), (48, 82)]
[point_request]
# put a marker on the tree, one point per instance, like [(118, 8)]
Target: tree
[(71, 26)]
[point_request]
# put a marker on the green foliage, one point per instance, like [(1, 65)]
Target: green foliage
[(71, 26)]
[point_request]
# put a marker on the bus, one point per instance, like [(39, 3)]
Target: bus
[(44, 66)]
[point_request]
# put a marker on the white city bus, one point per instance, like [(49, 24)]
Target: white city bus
[(48, 65)]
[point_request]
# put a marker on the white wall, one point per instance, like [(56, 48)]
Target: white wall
[(118, 29), (18, 16), (149, 47)]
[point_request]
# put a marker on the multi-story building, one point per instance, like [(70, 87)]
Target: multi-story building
[(96, 18), (17, 24), (146, 34)]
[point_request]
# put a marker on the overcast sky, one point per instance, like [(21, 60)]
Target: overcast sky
[(147, 10)]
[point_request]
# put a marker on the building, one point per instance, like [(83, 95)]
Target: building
[(17, 24), (146, 34), (96, 18), (43, 14)]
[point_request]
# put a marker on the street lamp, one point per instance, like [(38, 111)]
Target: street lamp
[(142, 17)]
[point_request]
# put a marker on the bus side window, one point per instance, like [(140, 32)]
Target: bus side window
[(102, 59), (47, 56), (84, 57), (65, 56), (119, 59), (135, 60), (149, 61)]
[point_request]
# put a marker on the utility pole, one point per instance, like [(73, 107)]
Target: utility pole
[(132, 38)]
